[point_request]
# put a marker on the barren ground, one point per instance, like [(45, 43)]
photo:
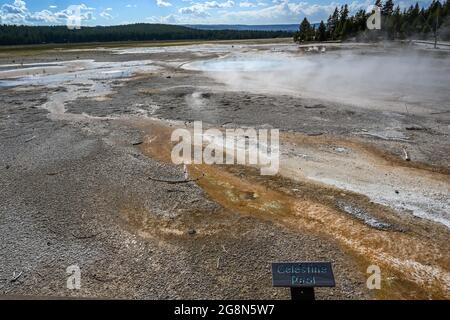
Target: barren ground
[(85, 147)]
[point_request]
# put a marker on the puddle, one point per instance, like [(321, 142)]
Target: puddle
[(200, 49), (79, 78), (72, 72), (207, 48), (243, 64)]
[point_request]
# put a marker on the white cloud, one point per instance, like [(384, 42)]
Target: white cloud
[(259, 11), (169, 19), (18, 13), (162, 3), (264, 12), (281, 11), (86, 13), (215, 4), (200, 10), (194, 11), (246, 4), (105, 14), (42, 16), (18, 7)]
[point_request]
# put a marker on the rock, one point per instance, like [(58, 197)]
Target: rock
[(316, 106), (364, 216), (340, 149), (415, 128), (313, 134), (247, 195), (192, 232)]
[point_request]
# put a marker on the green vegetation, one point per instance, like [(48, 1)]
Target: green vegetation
[(413, 22), (19, 35)]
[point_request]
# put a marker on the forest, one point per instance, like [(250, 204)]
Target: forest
[(414, 22), (18, 35)]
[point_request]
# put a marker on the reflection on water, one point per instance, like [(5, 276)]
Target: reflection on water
[(243, 64), (68, 72), (79, 78)]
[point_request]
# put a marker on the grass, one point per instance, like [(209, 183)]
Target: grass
[(26, 50)]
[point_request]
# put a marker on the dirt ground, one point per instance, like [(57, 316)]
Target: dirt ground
[(86, 179)]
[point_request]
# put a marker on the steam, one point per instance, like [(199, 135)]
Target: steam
[(385, 81)]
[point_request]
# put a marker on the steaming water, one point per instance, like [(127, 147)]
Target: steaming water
[(237, 64), (383, 81), (387, 82)]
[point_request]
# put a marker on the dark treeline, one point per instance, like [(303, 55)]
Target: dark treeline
[(411, 23), (12, 34)]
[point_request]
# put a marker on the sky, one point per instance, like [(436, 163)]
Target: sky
[(114, 12)]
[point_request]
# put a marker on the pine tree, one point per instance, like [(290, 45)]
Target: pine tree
[(397, 22), (344, 13), (345, 22), (321, 33), (332, 24), (388, 8), (345, 29), (305, 33)]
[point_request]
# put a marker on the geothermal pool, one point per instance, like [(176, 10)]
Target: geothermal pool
[(385, 82)]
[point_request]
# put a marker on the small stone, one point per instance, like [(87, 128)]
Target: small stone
[(7, 166), (192, 231), (396, 191), (414, 127)]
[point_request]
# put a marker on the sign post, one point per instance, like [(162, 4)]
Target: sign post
[(302, 277)]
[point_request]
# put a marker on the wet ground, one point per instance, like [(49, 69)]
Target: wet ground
[(87, 179)]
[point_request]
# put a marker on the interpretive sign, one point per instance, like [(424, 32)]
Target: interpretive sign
[(302, 274)]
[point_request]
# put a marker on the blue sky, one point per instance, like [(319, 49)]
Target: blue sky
[(112, 12)]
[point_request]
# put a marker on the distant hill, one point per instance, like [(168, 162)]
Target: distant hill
[(267, 27), (16, 35)]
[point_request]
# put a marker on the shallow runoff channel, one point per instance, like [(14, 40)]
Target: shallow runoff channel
[(384, 83)]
